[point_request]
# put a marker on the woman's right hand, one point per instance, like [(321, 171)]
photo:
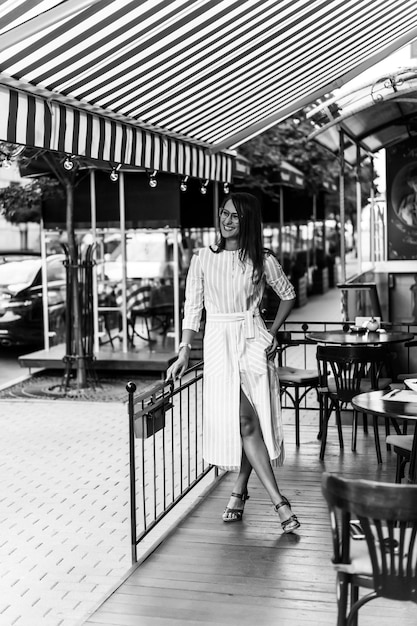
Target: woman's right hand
[(178, 367)]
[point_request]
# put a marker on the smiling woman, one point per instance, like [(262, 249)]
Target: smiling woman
[(242, 413)]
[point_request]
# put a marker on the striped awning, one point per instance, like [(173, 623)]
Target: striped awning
[(52, 125), (170, 84)]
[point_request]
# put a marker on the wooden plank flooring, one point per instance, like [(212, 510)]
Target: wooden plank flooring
[(211, 573)]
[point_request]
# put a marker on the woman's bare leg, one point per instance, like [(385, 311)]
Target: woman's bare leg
[(241, 484), (257, 454)]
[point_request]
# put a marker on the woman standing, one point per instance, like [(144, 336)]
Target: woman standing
[(242, 413)]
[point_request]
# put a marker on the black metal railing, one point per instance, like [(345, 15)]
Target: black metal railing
[(165, 445)]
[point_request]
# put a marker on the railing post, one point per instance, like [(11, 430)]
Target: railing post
[(131, 388)]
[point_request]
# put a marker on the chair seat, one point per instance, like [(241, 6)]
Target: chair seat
[(295, 376), (401, 441)]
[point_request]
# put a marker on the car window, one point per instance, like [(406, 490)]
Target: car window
[(56, 270), (18, 272)]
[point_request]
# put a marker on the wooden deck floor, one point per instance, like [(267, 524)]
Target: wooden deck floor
[(211, 573)]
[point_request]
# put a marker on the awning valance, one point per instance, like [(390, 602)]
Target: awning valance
[(36, 121)]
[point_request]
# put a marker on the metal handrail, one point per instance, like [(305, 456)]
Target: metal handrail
[(165, 449)]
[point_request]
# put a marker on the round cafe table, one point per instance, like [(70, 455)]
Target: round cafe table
[(372, 402), (346, 337)]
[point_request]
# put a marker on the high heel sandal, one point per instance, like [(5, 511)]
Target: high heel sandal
[(291, 524), (235, 515)]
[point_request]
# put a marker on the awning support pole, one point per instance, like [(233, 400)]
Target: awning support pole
[(45, 308), (122, 209), (342, 205), (343, 304), (358, 209), (372, 219), (93, 204), (281, 225), (176, 233)]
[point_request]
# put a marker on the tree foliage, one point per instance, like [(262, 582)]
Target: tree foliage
[(22, 203), (289, 141)]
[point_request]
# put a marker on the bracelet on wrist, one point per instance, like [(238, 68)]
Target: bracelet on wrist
[(184, 345)]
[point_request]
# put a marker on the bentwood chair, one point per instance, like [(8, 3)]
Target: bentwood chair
[(374, 536), (405, 447), (344, 372), (294, 382)]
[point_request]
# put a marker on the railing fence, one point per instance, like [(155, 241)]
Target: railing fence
[(165, 449)]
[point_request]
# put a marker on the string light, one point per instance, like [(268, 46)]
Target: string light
[(203, 188), (152, 179), (184, 183), (68, 164), (114, 174), (226, 188)]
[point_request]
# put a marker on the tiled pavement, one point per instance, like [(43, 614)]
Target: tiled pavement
[(64, 509), (64, 506)]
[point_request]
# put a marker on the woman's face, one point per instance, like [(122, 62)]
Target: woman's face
[(229, 221)]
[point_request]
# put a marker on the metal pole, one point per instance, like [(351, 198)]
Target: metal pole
[(372, 219), (215, 204), (358, 209), (176, 232), (94, 233), (44, 289), (122, 209), (314, 244), (342, 205), (281, 225)]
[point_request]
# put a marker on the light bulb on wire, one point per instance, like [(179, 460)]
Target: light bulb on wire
[(152, 179), (114, 174), (183, 184), (203, 188), (68, 163)]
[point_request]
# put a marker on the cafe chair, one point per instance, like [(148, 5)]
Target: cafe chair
[(295, 383), (344, 372), (405, 447), (403, 376), (374, 537)]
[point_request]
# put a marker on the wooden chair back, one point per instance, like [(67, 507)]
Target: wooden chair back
[(387, 514), (348, 366)]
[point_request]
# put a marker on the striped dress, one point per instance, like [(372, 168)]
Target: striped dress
[(235, 339)]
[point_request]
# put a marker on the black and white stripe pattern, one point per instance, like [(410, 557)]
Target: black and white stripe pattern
[(34, 121), (215, 71), (234, 351)]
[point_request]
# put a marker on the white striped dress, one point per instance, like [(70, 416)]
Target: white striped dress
[(235, 339)]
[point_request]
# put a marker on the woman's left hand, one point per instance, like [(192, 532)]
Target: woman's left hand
[(272, 349)]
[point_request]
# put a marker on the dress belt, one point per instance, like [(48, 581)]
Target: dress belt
[(244, 316)]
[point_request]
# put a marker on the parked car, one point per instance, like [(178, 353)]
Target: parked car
[(21, 301), (17, 255)]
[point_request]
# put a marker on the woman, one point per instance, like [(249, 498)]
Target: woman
[(242, 414)]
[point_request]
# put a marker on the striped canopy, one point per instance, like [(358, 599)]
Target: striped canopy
[(172, 85)]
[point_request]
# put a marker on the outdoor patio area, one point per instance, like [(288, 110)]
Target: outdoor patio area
[(209, 572)]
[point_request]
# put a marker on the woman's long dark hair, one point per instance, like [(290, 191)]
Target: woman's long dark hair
[(250, 231)]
